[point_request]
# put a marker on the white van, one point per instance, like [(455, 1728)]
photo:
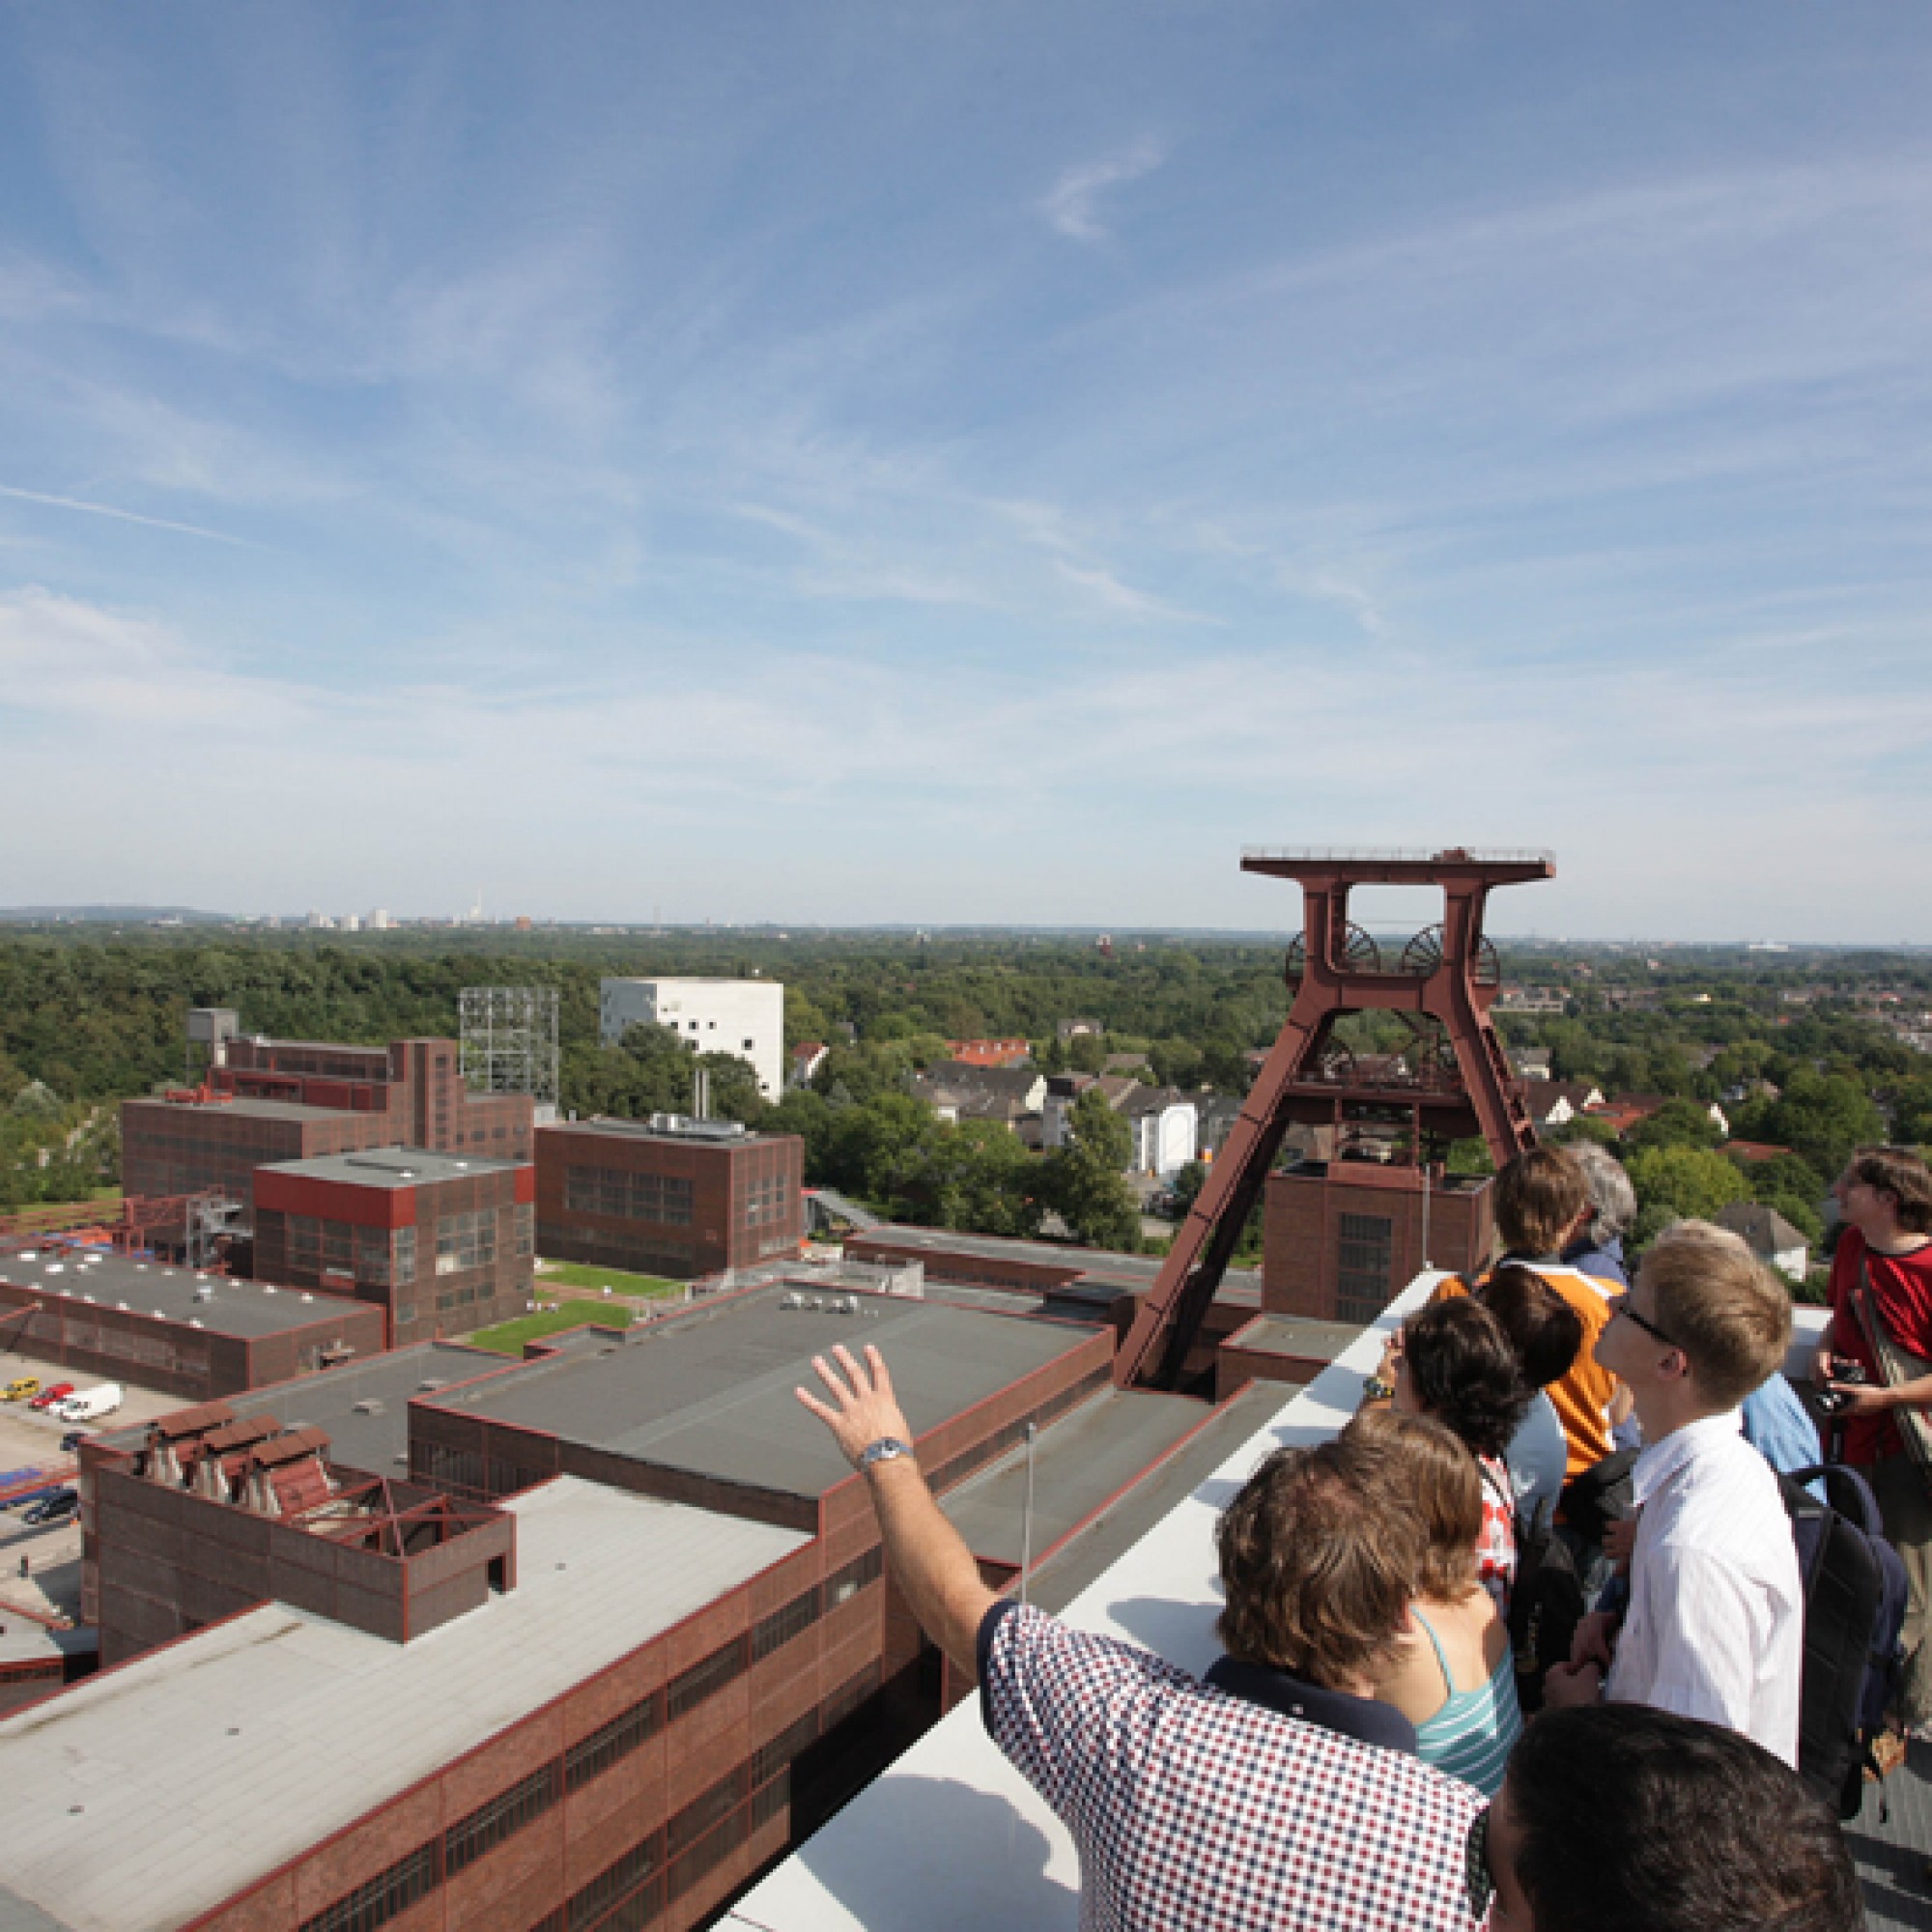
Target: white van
[(85, 1404)]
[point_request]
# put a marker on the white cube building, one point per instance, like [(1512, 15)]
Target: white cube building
[(745, 1017)]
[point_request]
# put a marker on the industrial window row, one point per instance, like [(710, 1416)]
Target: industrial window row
[(694, 1840), (702, 1835), (610, 1743), (706, 1678), (386, 1896), (949, 1474), (489, 1825), (1365, 1254), (629, 1196), (465, 1241)]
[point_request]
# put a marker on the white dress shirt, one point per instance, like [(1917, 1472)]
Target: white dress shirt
[(1716, 1625)]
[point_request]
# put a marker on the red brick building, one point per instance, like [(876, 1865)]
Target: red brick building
[(672, 1649), (168, 1329), (1341, 1238), (668, 1196), (442, 1243), (285, 1100)]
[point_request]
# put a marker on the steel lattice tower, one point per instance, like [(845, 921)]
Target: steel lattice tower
[(509, 1040)]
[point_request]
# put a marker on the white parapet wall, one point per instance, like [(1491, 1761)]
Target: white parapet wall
[(951, 1835)]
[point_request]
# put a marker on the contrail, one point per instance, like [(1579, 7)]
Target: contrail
[(124, 516)]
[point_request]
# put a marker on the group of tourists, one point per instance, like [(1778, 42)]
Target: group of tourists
[(1383, 1744)]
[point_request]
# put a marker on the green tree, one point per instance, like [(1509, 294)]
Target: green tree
[(1675, 1123), (1085, 1182), (1680, 1182), (1822, 1115)]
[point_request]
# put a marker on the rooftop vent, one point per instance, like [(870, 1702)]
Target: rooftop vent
[(369, 1406), (55, 1267), (266, 1289), (192, 1323), (205, 1292), (434, 1383)]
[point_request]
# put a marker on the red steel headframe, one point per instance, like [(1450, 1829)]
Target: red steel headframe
[(1442, 984)]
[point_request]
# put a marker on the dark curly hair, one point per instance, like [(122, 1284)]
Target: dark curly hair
[(1465, 1373)]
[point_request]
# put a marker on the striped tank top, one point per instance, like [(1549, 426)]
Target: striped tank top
[(1471, 1736)]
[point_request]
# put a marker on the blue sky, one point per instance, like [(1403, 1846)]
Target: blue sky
[(967, 464)]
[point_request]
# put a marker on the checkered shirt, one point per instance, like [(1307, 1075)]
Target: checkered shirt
[(1196, 1811)]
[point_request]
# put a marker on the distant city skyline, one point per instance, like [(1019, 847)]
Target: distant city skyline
[(880, 467)]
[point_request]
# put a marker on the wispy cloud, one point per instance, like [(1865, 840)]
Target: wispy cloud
[(1071, 204), (120, 516)]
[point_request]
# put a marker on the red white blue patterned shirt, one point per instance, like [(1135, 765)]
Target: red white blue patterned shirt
[(1495, 1547), (1194, 1811)]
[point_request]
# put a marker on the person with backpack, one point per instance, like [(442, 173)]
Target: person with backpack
[(1714, 1623), (1881, 1323)]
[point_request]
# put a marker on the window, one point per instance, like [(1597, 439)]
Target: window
[(386, 1896), (406, 1256), (465, 1241), (489, 1825), (615, 1879), (842, 1585), (704, 1679), (784, 1624), (1363, 1265), (527, 1227), (612, 1743), (748, 1046)]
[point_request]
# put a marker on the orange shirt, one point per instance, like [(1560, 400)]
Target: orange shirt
[(1582, 1399)]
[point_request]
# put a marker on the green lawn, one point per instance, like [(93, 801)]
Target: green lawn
[(507, 1338), (572, 1274)]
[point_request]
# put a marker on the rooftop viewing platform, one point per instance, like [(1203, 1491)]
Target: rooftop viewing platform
[(951, 1835)]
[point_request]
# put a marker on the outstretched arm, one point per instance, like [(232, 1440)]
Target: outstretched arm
[(927, 1556)]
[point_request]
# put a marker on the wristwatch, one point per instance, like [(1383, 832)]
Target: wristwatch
[(887, 1449), (1376, 1390)]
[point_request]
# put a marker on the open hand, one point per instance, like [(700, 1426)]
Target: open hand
[(862, 1406)]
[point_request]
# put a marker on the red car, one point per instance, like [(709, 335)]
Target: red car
[(53, 1392)]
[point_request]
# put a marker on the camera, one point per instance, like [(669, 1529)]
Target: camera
[(1843, 1370)]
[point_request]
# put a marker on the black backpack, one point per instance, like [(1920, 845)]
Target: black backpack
[(1854, 1594), (1546, 1605)]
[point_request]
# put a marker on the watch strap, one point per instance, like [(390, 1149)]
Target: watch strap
[(887, 1449)]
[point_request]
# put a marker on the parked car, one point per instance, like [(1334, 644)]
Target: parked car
[(30, 1498), (20, 1388), (56, 1507), (72, 1440), (53, 1392)]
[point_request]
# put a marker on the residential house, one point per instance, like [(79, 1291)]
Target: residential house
[(1552, 1103), (990, 1052), (1165, 1125), (957, 1089), (1771, 1238), (807, 1058)]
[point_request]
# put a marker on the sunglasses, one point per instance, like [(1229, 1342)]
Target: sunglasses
[(1476, 1871), (1621, 1305)]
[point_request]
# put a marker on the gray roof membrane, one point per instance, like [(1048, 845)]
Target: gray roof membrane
[(393, 1167), (711, 1391), (248, 1309)]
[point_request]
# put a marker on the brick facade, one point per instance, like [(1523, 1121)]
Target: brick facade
[(613, 1194), (409, 1093), (1342, 1239), (446, 1255)]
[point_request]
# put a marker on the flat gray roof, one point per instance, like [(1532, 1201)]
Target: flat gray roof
[(364, 1405), (1299, 1335), (711, 1390), (1135, 1271), (248, 1309), (149, 1794), (393, 1167), (643, 1130), (1092, 1454), (1068, 1571), (252, 1109)]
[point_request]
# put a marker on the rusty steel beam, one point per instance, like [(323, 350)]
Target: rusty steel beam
[(1155, 1350)]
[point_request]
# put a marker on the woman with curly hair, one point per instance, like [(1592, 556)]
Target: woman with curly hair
[(1454, 1362)]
